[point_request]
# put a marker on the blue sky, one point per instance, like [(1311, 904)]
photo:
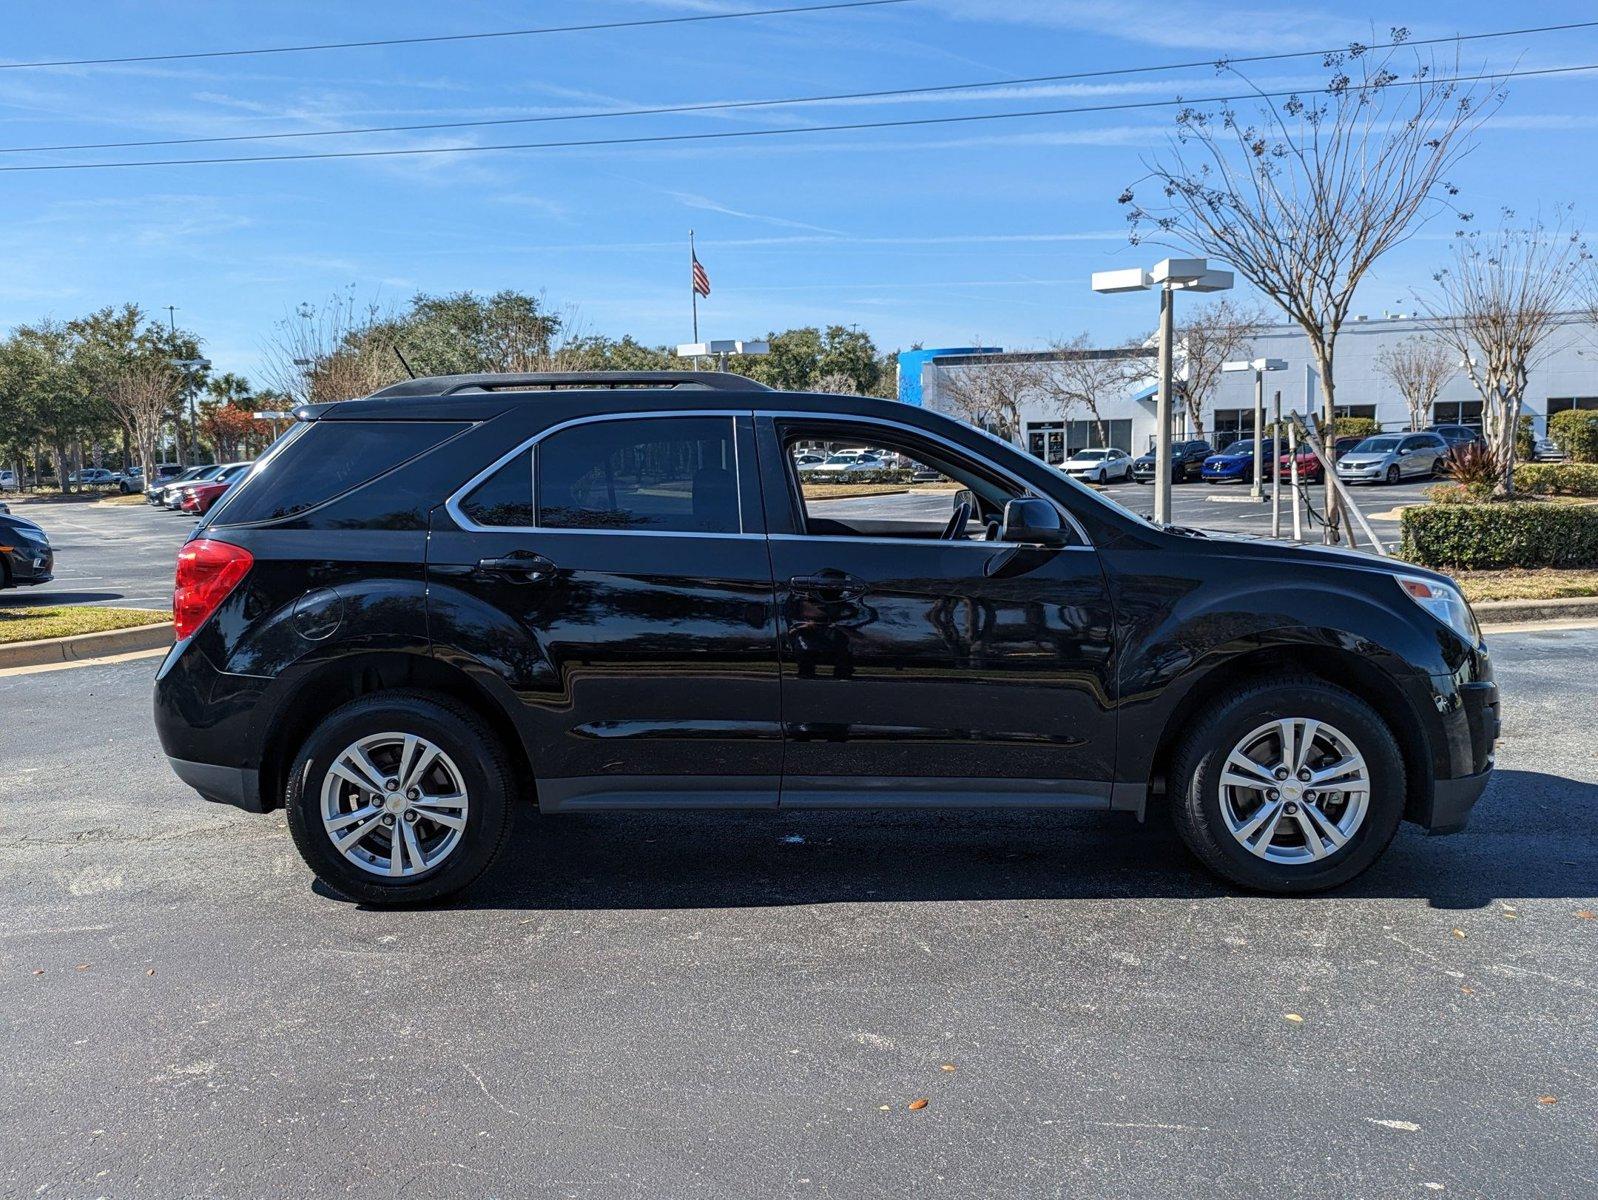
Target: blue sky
[(938, 235)]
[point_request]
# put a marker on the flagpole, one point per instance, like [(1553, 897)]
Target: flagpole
[(693, 292)]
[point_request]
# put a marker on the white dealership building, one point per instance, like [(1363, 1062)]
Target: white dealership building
[(1565, 376)]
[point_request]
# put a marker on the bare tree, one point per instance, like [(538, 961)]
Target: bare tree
[(1217, 333), (319, 355), (1084, 376), (1418, 367), (1496, 306), (141, 392), (1303, 199), (990, 393)]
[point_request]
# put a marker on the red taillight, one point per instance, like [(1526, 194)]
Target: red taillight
[(207, 571)]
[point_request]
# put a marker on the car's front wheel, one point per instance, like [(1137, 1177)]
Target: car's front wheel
[(399, 798), (1393, 473), (1288, 785)]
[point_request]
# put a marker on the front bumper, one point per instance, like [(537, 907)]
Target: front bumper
[(28, 564), (238, 786)]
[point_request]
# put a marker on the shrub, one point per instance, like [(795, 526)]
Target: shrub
[(1558, 479), (1523, 439), (1523, 533), (1472, 468), (1360, 427), (1576, 431)]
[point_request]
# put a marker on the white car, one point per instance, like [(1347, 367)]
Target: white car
[(1098, 465), (8, 481), (850, 462)]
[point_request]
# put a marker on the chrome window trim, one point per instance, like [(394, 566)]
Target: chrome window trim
[(453, 504), (915, 431)]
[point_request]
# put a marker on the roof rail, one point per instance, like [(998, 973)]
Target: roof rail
[(450, 385)]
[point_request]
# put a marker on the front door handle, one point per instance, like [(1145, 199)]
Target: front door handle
[(519, 566), (828, 585)]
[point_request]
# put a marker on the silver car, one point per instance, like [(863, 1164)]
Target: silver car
[(1389, 457)]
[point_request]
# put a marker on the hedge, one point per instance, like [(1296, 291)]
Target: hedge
[(1576, 431), (1523, 533), (1557, 479)]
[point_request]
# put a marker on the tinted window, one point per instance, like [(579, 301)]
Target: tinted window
[(326, 460), (1377, 445), (677, 474), (506, 497)]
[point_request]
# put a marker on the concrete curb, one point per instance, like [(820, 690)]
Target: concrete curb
[(1504, 612), (86, 645)]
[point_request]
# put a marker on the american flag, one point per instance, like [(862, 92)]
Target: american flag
[(701, 280)]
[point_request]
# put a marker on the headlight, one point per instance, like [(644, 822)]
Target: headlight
[(1444, 602)]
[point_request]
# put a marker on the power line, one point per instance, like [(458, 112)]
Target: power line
[(729, 134), (724, 105), (448, 37)]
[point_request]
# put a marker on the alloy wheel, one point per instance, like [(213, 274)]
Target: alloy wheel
[(394, 804), (1294, 790)]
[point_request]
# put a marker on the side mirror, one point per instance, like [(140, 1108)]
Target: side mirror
[(967, 497), (1032, 521)]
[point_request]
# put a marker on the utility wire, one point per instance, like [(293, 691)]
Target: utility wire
[(730, 134), (448, 37), (724, 105)]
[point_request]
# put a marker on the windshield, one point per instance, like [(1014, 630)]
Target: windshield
[(1241, 447), (840, 459), (1377, 445), (1090, 454)]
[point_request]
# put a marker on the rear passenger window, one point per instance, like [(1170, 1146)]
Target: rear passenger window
[(662, 474), (326, 460)]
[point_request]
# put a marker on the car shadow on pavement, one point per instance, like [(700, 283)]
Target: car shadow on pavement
[(24, 598), (1533, 835)]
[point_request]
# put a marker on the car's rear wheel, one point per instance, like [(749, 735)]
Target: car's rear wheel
[(1289, 785), (399, 798)]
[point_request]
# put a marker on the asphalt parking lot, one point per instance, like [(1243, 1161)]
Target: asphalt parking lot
[(745, 1005), (110, 555)]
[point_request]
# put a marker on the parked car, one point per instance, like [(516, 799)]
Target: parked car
[(433, 604), (25, 553), (199, 496), (851, 463), (93, 477), (1389, 457), (166, 475), (173, 498), (809, 460), (1545, 449), (921, 473), (8, 481), (1343, 445), (1187, 461), (160, 493), (1459, 435), (1309, 466), (1236, 462), (1099, 464)]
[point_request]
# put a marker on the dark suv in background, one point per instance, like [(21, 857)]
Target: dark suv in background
[(1187, 460), (617, 591)]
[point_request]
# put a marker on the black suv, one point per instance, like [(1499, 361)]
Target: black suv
[(616, 591), (1187, 460)]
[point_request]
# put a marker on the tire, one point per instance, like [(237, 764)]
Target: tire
[(472, 759), (1392, 474), (1206, 812)]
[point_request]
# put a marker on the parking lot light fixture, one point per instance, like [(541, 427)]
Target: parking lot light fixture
[(1169, 275), (1259, 366)]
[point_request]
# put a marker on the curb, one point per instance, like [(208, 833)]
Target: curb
[(1503, 612), (86, 645)]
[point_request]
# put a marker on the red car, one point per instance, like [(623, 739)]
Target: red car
[(198, 498), (1309, 467)]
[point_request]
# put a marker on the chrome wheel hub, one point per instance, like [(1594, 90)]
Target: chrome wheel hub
[(1294, 791), (394, 804)]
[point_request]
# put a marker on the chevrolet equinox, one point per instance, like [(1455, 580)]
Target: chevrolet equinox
[(617, 590)]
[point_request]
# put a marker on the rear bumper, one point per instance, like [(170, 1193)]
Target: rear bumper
[(238, 786)]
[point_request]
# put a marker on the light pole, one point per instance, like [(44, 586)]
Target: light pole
[(1259, 366), (1169, 275), (189, 366)]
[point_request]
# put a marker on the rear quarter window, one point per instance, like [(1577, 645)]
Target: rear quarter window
[(326, 460)]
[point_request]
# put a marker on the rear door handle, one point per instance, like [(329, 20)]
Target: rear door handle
[(838, 584), (519, 566)]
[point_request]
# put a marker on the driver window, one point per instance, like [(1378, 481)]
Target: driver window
[(860, 483)]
